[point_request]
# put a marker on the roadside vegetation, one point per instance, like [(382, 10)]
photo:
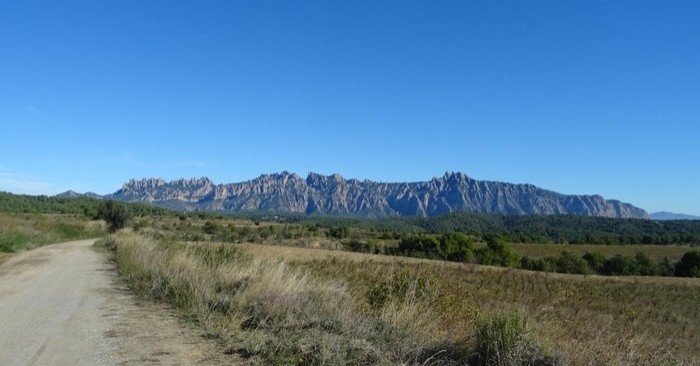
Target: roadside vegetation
[(271, 312), (27, 231), (300, 306), (27, 222)]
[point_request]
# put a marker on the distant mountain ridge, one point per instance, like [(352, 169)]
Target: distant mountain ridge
[(74, 194), (663, 215), (334, 195)]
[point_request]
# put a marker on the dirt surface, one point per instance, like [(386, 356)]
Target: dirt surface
[(64, 304)]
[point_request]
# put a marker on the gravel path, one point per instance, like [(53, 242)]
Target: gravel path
[(64, 305)]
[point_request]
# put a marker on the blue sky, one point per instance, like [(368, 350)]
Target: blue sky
[(574, 96)]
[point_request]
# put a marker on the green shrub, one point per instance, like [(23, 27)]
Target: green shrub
[(497, 253), (115, 214), (12, 241), (595, 260), (210, 227), (568, 262), (689, 266)]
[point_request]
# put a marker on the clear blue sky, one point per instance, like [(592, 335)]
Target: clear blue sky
[(574, 96)]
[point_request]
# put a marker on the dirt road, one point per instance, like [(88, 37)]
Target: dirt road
[(64, 305)]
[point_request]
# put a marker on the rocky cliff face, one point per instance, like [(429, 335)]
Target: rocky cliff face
[(317, 194)]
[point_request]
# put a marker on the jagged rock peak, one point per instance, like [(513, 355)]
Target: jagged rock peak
[(143, 183), (318, 194), (193, 182), (455, 175)]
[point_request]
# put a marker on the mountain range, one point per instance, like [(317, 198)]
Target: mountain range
[(663, 215), (286, 193)]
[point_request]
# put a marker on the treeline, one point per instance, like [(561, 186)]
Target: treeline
[(569, 229), (86, 206), (459, 247)]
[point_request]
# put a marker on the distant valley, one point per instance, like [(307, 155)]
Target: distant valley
[(288, 193)]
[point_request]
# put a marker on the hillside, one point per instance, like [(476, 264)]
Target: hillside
[(333, 195)]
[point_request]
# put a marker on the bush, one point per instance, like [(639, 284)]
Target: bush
[(595, 260), (497, 253), (689, 266), (210, 227), (620, 265), (569, 263), (115, 214)]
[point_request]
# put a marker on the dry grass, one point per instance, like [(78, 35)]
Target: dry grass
[(590, 320), (270, 313), (294, 306)]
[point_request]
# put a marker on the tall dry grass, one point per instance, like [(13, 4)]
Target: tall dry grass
[(268, 313), (586, 320), (294, 306)]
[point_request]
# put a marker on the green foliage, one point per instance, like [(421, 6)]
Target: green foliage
[(456, 246), (12, 241), (620, 265), (571, 229), (115, 214), (20, 232), (85, 206), (569, 263), (595, 261), (497, 253), (451, 246), (210, 227), (689, 266), (338, 232)]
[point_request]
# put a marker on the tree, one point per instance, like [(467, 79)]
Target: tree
[(456, 246), (595, 260), (689, 266), (115, 214), (497, 253), (568, 262), (620, 265)]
